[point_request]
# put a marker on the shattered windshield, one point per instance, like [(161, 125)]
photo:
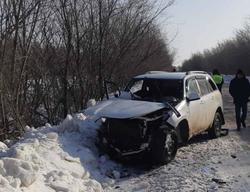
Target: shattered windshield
[(156, 89)]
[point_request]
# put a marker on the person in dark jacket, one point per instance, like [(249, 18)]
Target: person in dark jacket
[(218, 79), (240, 91)]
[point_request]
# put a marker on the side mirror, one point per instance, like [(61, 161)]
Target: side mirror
[(192, 96)]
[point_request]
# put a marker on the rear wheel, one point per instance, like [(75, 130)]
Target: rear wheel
[(163, 146), (215, 130)]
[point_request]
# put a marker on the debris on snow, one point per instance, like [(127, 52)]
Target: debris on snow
[(219, 181), (233, 156)]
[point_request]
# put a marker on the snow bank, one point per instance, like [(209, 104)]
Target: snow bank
[(56, 158)]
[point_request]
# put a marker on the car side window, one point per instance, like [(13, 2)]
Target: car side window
[(203, 86), (212, 85), (209, 86), (192, 86), (137, 86)]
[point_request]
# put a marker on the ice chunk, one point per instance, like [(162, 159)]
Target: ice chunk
[(48, 125), (3, 146), (52, 136), (91, 103), (80, 116), (20, 169), (69, 124), (71, 159), (116, 174), (5, 185), (27, 128)]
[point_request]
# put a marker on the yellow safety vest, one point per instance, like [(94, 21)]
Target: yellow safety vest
[(218, 79)]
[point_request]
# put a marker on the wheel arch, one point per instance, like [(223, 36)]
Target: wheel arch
[(182, 131), (219, 110)]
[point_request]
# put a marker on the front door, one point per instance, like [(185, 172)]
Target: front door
[(195, 108)]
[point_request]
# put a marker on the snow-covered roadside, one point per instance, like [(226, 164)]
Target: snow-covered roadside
[(56, 158)]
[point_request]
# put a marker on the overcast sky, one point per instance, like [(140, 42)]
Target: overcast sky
[(201, 24)]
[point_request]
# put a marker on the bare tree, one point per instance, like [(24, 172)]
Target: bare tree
[(55, 54)]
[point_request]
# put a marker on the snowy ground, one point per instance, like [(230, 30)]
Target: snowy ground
[(64, 158)]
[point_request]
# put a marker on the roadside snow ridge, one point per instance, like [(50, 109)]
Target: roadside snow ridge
[(54, 158)]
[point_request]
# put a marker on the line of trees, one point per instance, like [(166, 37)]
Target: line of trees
[(227, 56), (55, 54)]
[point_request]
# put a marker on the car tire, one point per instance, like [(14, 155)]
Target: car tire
[(215, 130), (163, 146)]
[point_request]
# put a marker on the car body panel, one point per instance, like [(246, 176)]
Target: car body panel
[(123, 109), (195, 116), (212, 102)]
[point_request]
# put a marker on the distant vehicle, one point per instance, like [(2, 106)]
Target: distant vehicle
[(157, 111)]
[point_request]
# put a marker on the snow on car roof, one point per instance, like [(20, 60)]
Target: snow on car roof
[(162, 75)]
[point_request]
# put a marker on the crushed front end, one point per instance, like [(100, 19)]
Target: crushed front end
[(131, 136)]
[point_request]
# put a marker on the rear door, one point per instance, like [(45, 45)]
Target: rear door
[(207, 102), (214, 99)]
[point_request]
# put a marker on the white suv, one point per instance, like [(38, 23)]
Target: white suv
[(158, 110)]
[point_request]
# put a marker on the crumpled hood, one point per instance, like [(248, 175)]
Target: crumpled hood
[(123, 109)]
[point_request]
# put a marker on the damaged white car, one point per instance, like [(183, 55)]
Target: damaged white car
[(158, 110)]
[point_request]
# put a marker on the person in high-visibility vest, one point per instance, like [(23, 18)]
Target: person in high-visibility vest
[(218, 79)]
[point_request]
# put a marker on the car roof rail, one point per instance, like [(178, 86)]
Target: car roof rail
[(196, 72), (155, 72)]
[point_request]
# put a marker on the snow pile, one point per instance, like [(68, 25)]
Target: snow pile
[(56, 158)]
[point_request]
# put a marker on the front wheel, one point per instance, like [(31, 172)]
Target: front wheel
[(215, 130), (163, 146)]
